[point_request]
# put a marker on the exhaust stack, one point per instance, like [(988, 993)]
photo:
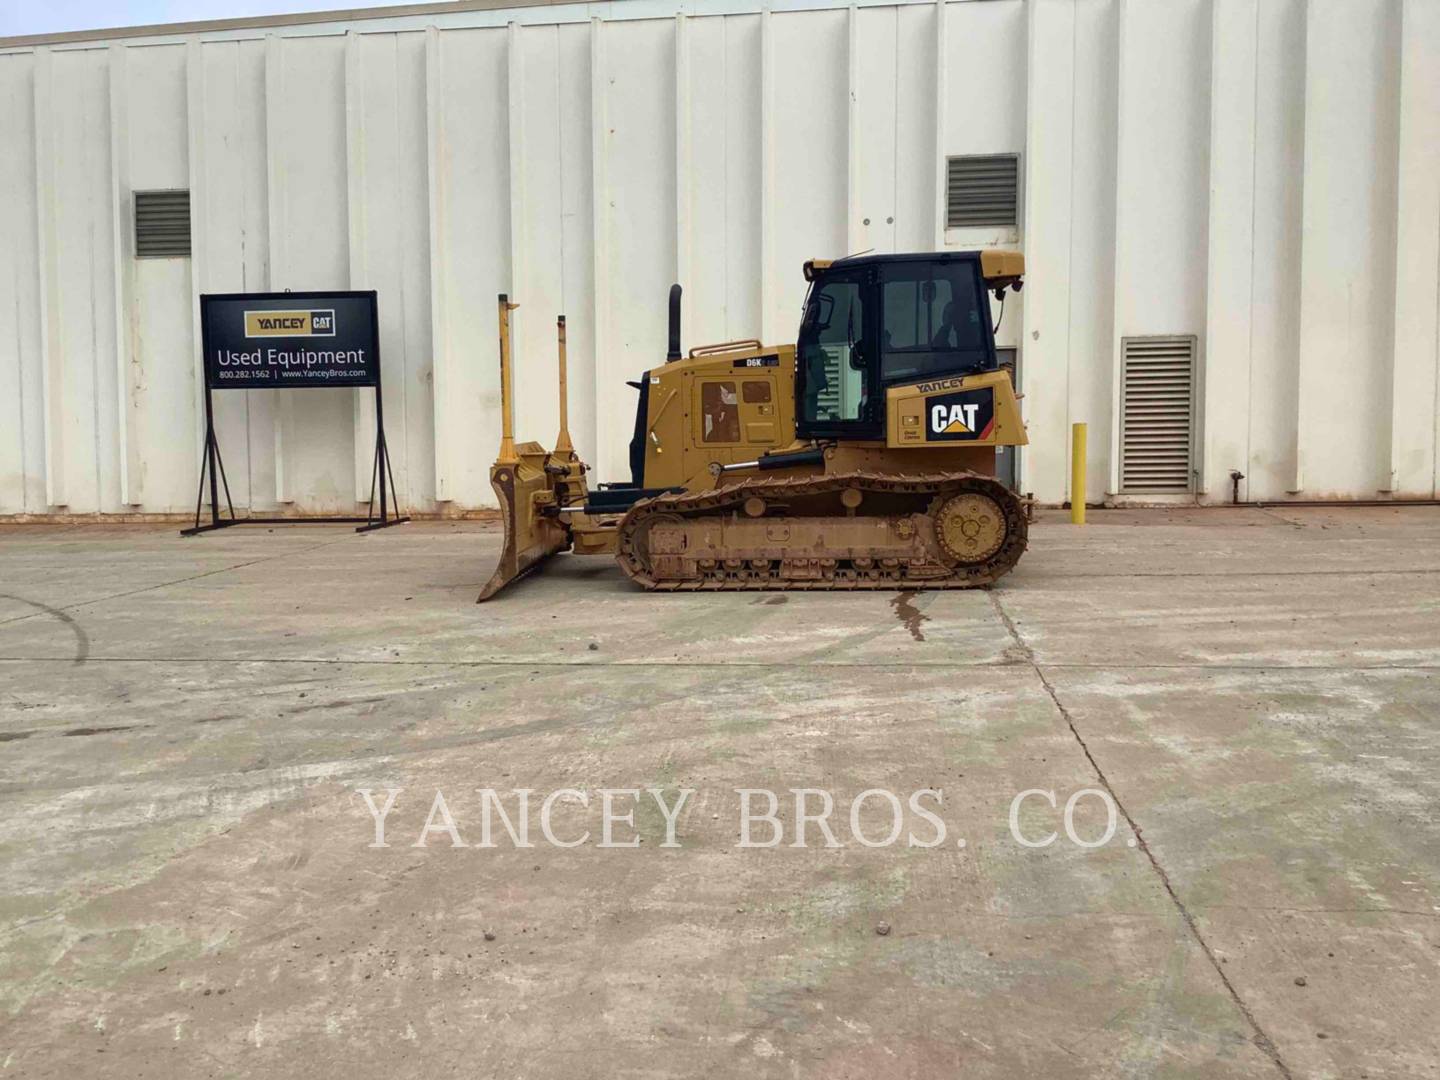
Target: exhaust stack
[(674, 351)]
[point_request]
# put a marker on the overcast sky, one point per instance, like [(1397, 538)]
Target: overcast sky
[(49, 16)]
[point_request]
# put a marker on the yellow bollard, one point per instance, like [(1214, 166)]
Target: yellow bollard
[(1077, 474)]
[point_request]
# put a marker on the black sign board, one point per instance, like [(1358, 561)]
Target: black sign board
[(299, 339), (290, 341)]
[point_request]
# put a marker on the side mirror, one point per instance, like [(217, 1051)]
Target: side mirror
[(819, 313)]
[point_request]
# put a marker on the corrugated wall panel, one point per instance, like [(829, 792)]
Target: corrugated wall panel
[(915, 104), (233, 222), (22, 477), (1234, 79), (743, 180), (1275, 295), (1347, 255), (712, 93), (1416, 376), (84, 393), (395, 256), (639, 140), (1092, 232), (577, 280), (810, 196), (1048, 214), (539, 232), (474, 264), (162, 386), (1162, 177), (312, 204), (873, 140)]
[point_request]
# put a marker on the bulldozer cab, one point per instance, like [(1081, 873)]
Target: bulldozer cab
[(873, 322)]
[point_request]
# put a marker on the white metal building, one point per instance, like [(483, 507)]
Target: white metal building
[(1230, 211)]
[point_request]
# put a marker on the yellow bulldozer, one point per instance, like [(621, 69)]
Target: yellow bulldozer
[(861, 457)]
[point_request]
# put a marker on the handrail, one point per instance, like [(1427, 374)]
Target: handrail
[(726, 346)]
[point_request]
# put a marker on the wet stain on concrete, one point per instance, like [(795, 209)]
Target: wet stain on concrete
[(909, 615)]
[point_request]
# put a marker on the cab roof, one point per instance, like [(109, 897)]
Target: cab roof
[(998, 267)]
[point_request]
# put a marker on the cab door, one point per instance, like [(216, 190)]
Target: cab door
[(837, 392)]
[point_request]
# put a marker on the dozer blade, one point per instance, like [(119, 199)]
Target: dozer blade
[(531, 482), (531, 537)]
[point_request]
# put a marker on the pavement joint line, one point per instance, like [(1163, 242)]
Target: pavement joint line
[(167, 584), (1282, 910), (883, 665), (1244, 574), (1261, 1037)]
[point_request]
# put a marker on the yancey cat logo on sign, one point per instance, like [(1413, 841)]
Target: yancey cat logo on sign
[(290, 323), (968, 416)]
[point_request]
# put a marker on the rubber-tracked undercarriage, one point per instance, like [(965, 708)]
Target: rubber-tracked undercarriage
[(862, 457)]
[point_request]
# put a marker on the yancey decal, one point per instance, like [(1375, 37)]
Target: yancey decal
[(966, 416), (944, 384), (289, 324)]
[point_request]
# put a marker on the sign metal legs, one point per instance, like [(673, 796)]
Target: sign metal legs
[(212, 469)]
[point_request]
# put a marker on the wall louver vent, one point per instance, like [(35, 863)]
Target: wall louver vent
[(1157, 407), (162, 224), (982, 191)]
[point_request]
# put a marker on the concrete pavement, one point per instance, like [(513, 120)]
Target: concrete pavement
[(185, 726)]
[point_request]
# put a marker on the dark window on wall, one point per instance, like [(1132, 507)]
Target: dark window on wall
[(162, 224), (982, 190)]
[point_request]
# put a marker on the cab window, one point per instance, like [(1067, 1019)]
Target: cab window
[(832, 352), (935, 320)]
